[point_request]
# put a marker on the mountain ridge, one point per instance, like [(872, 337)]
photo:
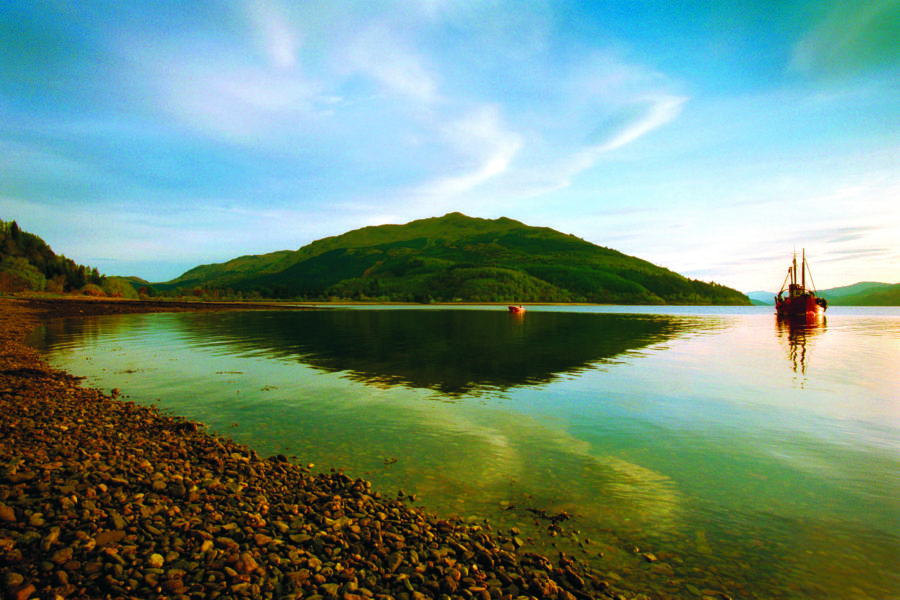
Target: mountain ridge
[(863, 293), (457, 257)]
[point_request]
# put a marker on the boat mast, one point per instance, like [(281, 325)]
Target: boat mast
[(803, 270), (794, 270)]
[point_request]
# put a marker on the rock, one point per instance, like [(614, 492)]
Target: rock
[(156, 561), (246, 563), (23, 593), (50, 539), (576, 580), (329, 590), (62, 556), (109, 537), (118, 522), (7, 514), (393, 561)]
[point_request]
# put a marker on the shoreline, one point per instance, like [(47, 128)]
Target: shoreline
[(101, 497)]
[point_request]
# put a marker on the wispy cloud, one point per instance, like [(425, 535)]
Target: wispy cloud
[(381, 53), (628, 124), (226, 97), (856, 254), (480, 138), (848, 234), (278, 37)]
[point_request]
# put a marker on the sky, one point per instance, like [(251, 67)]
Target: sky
[(711, 138)]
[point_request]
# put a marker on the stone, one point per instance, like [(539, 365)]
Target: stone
[(7, 514), (393, 561), (118, 521), (109, 537), (62, 556), (23, 593), (246, 563)]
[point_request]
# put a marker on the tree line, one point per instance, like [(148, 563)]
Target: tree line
[(28, 264)]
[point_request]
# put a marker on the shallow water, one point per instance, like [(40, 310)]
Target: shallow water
[(749, 456)]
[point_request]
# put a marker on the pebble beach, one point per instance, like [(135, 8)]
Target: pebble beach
[(104, 498)]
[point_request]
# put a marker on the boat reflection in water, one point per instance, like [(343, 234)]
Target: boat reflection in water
[(798, 331)]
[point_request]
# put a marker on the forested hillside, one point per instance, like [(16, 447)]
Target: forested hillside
[(456, 258), (28, 264), (864, 294)]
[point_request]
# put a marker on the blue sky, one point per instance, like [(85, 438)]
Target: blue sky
[(711, 138)]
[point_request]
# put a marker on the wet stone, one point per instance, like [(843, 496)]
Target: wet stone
[(7, 514)]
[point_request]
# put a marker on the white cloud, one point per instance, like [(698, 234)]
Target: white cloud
[(627, 127), (481, 138), (275, 33), (225, 96), (654, 113), (380, 53), (627, 124)]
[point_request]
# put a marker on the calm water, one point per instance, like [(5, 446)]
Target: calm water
[(752, 457)]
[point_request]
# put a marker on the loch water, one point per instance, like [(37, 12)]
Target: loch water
[(697, 450)]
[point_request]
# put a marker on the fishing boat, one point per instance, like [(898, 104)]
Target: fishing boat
[(517, 309), (795, 299)]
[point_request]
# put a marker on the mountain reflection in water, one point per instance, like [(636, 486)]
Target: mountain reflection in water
[(450, 351)]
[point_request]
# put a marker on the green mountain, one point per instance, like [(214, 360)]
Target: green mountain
[(457, 258), (761, 298), (866, 293)]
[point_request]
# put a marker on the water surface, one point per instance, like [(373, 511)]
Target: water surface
[(750, 456)]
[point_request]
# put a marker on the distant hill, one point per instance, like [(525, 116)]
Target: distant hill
[(762, 298), (864, 293), (457, 258)]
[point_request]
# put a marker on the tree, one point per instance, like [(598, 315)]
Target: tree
[(20, 275), (56, 284), (118, 287)]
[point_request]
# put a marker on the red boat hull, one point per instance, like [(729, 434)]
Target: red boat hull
[(805, 304)]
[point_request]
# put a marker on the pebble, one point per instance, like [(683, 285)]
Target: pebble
[(7, 513)]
